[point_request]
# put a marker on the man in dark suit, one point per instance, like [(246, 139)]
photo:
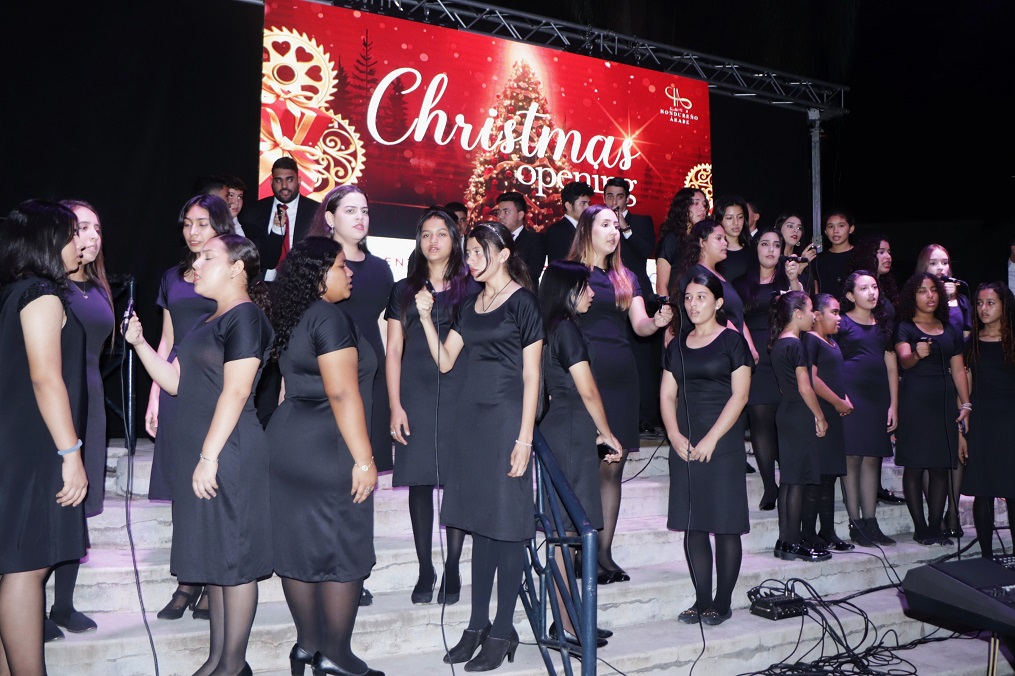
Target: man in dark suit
[(637, 245), (575, 197), (276, 223), (511, 212)]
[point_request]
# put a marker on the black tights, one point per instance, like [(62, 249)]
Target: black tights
[(765, 443), (325, 615), (22, 595), (611, 476), (791, 502), (421, 516), (232, 611), (728, 555), (860, 486), (937, 490), (65, 577), (506, 560), (819, 503), (983, 519)]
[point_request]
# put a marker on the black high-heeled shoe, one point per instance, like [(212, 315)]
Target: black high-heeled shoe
[(325, 667), (571, 642), (450, 594), (423, 591), (299, 660), (201, 613), (466, 648), (246, 670), (175, 610), (493, 652)]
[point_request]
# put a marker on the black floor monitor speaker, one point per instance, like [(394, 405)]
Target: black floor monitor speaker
[(979, 593)]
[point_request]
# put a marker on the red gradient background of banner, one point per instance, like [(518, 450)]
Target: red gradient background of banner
[(331, 100)]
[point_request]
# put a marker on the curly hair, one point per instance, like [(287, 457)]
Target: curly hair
[(880, 311), (582, 252), (692, 250), (299, 282), (678, 218), (1007, 325), (865, 257), (907, 298)]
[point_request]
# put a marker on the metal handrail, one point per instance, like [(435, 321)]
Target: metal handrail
[(544, 578)]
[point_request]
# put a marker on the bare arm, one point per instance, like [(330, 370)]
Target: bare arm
[(803, 384), (520, 454), (42, 323), (162, 372), (644, 325), (663, 269), (668, 392), (151, 417), (393, 375), (958, 368), (893, 390), (444, 354), (585, 383), (339, 373)]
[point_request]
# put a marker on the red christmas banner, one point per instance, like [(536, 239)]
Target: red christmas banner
[(419, 114)]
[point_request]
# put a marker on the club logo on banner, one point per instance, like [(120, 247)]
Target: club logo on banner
[(419, 114)]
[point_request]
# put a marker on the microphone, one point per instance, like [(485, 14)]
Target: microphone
[(126, 315), (946, 278), (279, 210), (429, 287)]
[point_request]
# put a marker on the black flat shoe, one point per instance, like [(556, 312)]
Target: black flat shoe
[(299, 660), (619, 575), (689, 616), (886, 497), (450, 594), (953, 533), (466, 647), (75, 621), (423, 591), (366, 598), (571, 638), (839, 545), (246, 670), (493, 652), (179, 604), (325, 667), (51, 632), (750, 470), (714, 618), (798, 552), (603, 633), (605, 577), (199, 612), (766, 506)]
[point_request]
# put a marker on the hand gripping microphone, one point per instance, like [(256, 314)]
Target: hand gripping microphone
[(127, 315)]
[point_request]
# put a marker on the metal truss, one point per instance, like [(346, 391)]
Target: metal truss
[(724, 76)]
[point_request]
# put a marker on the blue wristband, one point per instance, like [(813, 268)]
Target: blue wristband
[(70, 450)]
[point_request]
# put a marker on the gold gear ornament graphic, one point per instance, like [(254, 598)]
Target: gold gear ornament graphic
[(342, 157), (700, 177), (296, 64)]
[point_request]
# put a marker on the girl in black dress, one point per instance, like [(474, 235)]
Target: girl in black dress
[(344, 215), (575, 421), (618, 301), (488, 489), (990, 456), (43, 393), (826, 374), (731, 213), (831, 267), (90, 301), (799, 461), (791, 226), (322, 473), (221, 525), (871, 376), (688, 206), (767, 274), (705, 384), (417, 392), (930, 353), (201, 218)]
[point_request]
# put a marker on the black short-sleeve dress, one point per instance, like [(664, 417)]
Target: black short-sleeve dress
[(479, 496), (865, 376), (613, 364), (831, 448), (927, 436), (318, 532), (990, 468), (715, 492), (35, 532), (798, 449), (89, 304), (764, 389), (185, 308), (737, 261), (225, 540), (567, 426), (417, 463), (372, 281)]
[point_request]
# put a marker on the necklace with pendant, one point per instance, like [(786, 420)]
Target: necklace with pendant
[(486, 305), (80, 287)]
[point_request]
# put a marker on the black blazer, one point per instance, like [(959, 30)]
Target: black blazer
[(558, 238), (637, 249), (530, 247), (255, 225)]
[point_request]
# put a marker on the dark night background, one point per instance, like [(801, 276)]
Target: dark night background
[(124, 104)]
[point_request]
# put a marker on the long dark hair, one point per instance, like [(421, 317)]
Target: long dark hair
[(298, 284), (582, 252), (880, 311), (31, 241), (219, 216), (456, 275), (692, 250), (780, 220), (239, 248), (725, 202), (907, 298), (559, 287), (95, 272), (319, 226), (678, 218), (780, 313), (494, 237), (1007, 325), (747, 285), (865, 257), (710, 282)]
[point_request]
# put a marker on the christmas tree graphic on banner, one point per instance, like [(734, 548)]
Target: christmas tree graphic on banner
[(497, 171)]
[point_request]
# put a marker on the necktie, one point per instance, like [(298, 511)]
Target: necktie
[(285, 233)]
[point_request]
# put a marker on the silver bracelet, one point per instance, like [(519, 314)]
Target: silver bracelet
[(519, 441), (211, 460), (68, 451), (967, 406)]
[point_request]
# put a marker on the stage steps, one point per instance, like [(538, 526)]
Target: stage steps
[(399, 638)]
